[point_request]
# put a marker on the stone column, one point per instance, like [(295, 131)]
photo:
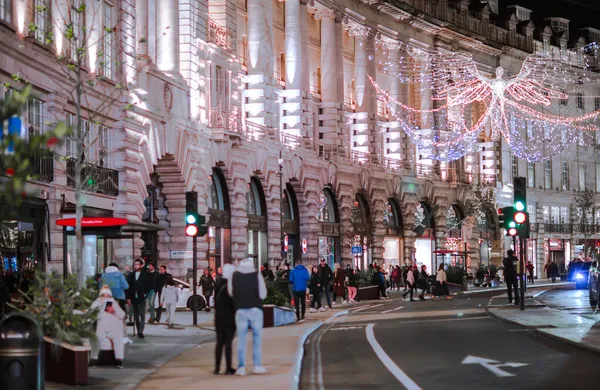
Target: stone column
[(167, 36), (141, 26), (397, 91), (296, 25), (379, 229)]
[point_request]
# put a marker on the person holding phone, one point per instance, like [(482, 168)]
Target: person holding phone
[(109, 326)]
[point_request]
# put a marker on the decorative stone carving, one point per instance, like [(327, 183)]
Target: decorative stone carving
[(168, 97)]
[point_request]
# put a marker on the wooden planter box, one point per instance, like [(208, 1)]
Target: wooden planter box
[(69, 365), (367, 293), (277, 316)]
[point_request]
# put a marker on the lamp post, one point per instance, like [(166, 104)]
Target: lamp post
[(280, 160)]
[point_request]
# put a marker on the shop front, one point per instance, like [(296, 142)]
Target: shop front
[(393, 244), (363, 235), (219, 230), (425, 236), (329, 235), (559, 251), (256, 208), (24, 241)]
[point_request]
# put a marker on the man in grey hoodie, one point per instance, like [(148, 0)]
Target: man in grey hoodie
[(247, 288)]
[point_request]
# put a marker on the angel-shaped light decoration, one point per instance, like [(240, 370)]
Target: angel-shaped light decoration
[(520, 108)]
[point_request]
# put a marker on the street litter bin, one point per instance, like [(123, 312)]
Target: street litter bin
[(21, 353)]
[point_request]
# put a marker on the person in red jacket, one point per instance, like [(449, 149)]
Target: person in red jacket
[(529, 267)]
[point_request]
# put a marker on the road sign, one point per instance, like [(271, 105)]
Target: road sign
[(285, 243), (493, 365), (357, 250), (304, 245)]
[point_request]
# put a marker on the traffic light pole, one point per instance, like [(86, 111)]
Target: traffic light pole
[(522, 254), (195, 281)]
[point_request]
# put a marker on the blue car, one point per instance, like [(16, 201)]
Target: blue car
[(579, 273)]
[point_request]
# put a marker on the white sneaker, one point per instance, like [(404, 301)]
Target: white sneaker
[(312, 310), (127, 340), (344, 301), (333, 303), (259, 370), (323, 308), (241, 371)]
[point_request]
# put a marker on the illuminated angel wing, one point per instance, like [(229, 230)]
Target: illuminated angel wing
[(554, 73)]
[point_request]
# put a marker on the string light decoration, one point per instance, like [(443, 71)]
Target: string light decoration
[(518, 108)]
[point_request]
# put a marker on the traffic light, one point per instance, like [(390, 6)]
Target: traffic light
[(194, 223), (520, 193), (505, 217), (512, 232)]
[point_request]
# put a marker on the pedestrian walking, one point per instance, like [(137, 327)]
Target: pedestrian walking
[(529, 272), (207, 283), (314, 287), (380, 280), (547, 269), (410, 282), (553, 271), (441, 280), (169, 297), (510, 276), (326, 277), (423, 280), (224, 321), (248, 289), (115, 280), (352, 286), (109, 326), (299, 278), (151, 275), (339, 284), (136, 295), (161, 280)]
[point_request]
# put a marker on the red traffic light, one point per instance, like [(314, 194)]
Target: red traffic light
[(520, 217), (191, 230), (512, 232)]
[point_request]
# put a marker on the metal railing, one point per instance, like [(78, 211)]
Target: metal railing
[(94, 178), (220, 35), (43, 166)]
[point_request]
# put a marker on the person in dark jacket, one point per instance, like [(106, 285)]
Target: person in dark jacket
[(326, 277), (314, 286), (224, 321), (161, 280), (380, 280), (151, 275), (510, 275), (339, 285), (208, 287), (267, 273), (424, 285), (299, 279), (282, 283), (136, 295)]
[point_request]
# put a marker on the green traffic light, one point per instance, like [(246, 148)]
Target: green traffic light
[(512, 224), (519, 206), (190, 218)]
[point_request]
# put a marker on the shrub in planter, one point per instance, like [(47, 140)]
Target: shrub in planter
[(275, 298), (455, 274), (365, 278)]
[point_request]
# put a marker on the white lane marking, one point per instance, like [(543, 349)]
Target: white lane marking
[(493, 365), (389, 363), (446, 319), (347, 328), (391, 310), (367, 307), (320, 385)]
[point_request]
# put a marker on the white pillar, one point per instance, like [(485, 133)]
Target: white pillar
[(141, 22), (396, 90), (260, 38), (167, 36), (328, 56), (363, 68), (60, 14), (295, 14)]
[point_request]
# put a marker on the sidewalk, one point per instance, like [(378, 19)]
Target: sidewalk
[(145, 356), (578, 330), (279, 355), (472, 289)]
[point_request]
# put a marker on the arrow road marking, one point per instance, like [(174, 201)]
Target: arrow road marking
[(493, 365), (391, 310)]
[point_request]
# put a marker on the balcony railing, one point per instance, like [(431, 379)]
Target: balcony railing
[(219, 35), (94, 178), (568, 228), (43, 166)]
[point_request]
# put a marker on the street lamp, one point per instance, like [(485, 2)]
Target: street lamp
[(280, 160)]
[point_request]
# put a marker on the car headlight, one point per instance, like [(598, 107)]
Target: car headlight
[(578, 276)]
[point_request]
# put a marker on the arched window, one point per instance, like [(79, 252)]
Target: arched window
[(287, 212), (392, 217), (255, 198), (327, 211), (219, 197)]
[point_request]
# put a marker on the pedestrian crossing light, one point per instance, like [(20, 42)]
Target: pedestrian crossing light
[(520, 217), (520, 193)]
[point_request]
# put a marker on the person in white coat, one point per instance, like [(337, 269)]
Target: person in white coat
[(441, 288), (169, 298), (410, 281), (109, 326)]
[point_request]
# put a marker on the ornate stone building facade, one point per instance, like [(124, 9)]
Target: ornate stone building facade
[(265, 109)]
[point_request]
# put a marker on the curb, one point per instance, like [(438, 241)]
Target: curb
[(295, 381), (540, 330), (503, 288)]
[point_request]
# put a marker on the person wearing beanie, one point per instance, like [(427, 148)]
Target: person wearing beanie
[(224, 322), (110, 325)]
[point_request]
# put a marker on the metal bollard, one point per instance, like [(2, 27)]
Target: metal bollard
[(21, 365)]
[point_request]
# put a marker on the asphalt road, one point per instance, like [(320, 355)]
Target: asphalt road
[(423, 345)]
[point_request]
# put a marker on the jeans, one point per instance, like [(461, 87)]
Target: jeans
[(252, 318), (224, 340), (139, 315), (316, 300), (150, 300), (325, 290), (510, 284), (300, 300)]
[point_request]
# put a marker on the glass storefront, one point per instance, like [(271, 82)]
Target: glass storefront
[(327, 249), (93, 255), (257, 247), (21, 245), (424, 252), (392, 250)]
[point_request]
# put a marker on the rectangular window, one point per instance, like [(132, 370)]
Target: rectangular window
[(77, 19), (40, 19), (104, 147), (35, 117), (581, 177), (597, 177), (596, 103), (565, 99), (514, 167), (531, 209), (580, 103), (531, 174), (564, 214), (548, 174), (5, 10), (565, 176), (107, 62), (546, 213), (554, 214), (86, 136)]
